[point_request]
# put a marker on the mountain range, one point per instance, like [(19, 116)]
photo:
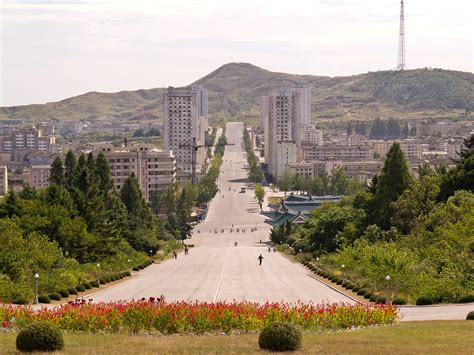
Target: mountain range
[(235, 90)]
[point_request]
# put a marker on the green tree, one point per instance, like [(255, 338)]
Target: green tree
[(285, 182), (259, 194), (28, 192), (392, 182), (70, 164), (56, 175), (102, 170)]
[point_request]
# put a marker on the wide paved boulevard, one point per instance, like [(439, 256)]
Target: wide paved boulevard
[(215, 269)]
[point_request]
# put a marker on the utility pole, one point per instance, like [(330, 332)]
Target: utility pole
[(401, 40)]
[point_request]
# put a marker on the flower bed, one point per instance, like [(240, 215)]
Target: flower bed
[(197, 317)]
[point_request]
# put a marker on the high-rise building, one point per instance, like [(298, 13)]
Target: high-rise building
[(185, 119), (154, 169), (284, 113)]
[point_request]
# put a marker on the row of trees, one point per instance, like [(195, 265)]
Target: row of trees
[(338, 183), (419, 230), (255, 170), (390, 128)]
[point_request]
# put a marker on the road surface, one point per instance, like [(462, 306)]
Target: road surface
[(215, 269)]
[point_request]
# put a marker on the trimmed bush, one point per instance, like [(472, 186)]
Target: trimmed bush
[(361, 292), (44, 299), (399, 301), (40, 336), (128, 273), (20, 300), (338, 281), (373, 298), (136, 268), (350, 286), (102, 281), (87, 285), (280, 336), (80, 288), (64, 293), (55, 296), (423, 301), (381, 299), (355, 289), (466, 299), (94, 283), (367, 295), (470, 315), (72, 291)]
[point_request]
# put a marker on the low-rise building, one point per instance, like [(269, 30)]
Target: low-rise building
[(155, 169), (337, 152), (38, 176), (309, 134), (411, 148)]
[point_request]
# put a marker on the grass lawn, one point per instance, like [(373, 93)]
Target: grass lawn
[(436, 337)]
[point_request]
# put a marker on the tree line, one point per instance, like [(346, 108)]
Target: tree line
[(418, 229), (255, 170)]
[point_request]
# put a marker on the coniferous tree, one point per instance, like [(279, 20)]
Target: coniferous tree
[(405, 130), (102, 170), (391, 183), (28, 192), (349, 129), (56, 175), (70, 164)]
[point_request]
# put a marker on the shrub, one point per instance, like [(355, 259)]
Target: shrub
[(72, 291), (355, 289), (466, 299), (55, 296), (64, 293), (87, 285), (80, 288), (44, 299), (350, 286), (136, 268), (127, 273), (103, 280), (40, 336), (399, 301), (94, 283), (367, 295), (361, 292), (423, 301), (470, 315), (280, 336), (381, 299), (20, 300), (338, 281), (373, 298)]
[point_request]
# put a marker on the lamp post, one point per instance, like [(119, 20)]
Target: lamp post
[(151, 252), (36, 288), (387, 301), (98, 278)]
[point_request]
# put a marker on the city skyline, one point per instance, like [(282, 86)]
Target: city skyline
[(51, 50)]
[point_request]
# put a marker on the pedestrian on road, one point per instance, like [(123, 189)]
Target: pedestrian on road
[(268, 249), (175, 255), (186, 250), (260, 258)]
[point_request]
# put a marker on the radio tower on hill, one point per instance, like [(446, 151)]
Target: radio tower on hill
[(401, 41)]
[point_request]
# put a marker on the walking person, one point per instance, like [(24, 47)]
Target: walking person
[(260, 259), (175, 255)]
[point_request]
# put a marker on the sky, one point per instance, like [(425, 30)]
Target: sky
[(51, 50)]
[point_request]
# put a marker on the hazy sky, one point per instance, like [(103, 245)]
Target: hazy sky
[(51, 50)]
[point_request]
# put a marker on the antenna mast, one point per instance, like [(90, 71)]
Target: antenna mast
[(401, 41)]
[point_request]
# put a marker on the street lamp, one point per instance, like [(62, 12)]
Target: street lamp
[(387, 301), (98, 278), (317, 259), (36, 288), (151, 252)]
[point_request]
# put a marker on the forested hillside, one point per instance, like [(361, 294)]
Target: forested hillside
[(235, 90)]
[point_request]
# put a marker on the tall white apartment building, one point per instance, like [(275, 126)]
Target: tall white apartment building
[(155, 169), (284, 111), (185, 118)]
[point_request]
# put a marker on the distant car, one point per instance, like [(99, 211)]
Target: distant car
[(243, 189)]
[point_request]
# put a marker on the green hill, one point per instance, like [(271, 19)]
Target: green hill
[(235, 89)]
